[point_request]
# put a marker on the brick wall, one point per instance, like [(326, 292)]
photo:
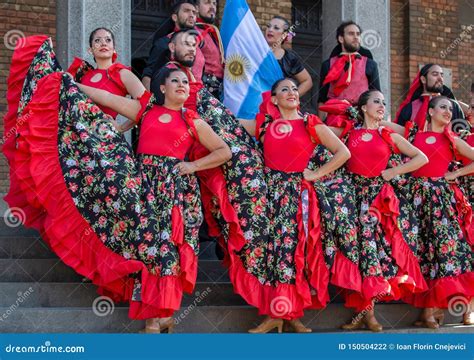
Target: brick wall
[(399, 51), (424, 31), (264, 10), (19, 19)]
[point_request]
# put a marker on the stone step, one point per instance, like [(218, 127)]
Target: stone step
[(57, 295), (24, 247), (53, 270), (203, 319), (33, 247), (9, 227)]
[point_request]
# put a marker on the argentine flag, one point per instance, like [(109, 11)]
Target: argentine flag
[(251, 68)]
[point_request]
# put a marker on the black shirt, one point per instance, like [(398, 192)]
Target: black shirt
[(290, 64), (159, 55)]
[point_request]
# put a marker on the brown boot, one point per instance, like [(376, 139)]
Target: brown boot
[(297, 326), (152, 327), (371, 322), (356, 323), (468, 317), (268, 325), (428, 319)]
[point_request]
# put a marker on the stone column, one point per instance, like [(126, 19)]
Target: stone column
[(375, 31), (77, 18)]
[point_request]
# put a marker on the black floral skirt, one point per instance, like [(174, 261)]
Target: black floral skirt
[(386, 243), (445, 247), (130, 225)]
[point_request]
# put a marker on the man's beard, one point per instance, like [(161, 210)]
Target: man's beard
[(434, 89), (184, 25), (208, 20), (351, 48), (182, 61)]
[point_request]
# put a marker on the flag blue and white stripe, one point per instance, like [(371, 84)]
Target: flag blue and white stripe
[(251, 68)]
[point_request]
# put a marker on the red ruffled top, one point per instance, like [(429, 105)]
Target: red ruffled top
[(165, 132), (438, 148), (288, 145), (371, 149), (106, 79)]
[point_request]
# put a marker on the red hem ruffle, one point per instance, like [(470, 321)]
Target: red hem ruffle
[(442, 290), (67, 232), (409, 278)]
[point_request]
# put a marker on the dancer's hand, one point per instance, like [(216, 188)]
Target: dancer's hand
[(116, 125), (451, 176), (389, 174), (185, 168), (310, 175)]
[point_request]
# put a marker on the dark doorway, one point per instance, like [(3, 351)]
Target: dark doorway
[(306, 16), (147, 16)]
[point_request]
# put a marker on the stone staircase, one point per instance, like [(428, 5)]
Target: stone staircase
[(38, 293)]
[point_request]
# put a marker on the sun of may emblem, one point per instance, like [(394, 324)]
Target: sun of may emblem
[(237, 67)]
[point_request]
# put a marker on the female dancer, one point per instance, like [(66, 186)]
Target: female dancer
[(387, 264), (109, 75), (178, 129), (291, 263), (276, 33), (130, 226), (445, 243)]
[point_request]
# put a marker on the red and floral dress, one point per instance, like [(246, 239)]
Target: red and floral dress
[(290, 270), (234, 196), (445, 242), (288, 264), (130, 225), (387, 230), (105, 79)]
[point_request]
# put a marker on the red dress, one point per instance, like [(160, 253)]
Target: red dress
[(163, 132), (105, 79), (285, 272), (287, 146), (437, 147), (386, 236), (445, 244), (370, 157), (131, 226)]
